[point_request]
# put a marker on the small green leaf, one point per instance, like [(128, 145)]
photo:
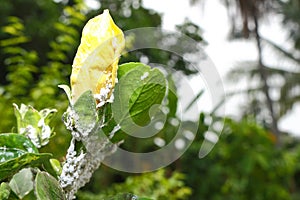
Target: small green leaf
[(86, 114), (47, 187), (22, 182), (47, 114), (56, 166), (34, 124), (31, 117), (4, 191), (12, 166), (19, 114)]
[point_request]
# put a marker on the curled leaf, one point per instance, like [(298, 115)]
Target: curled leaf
[(96, 61)]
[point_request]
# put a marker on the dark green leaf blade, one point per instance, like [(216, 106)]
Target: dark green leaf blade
[(10, 153), (17, 141), (12, 166)]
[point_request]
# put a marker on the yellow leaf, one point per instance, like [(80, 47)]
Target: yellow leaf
[(96, 61)]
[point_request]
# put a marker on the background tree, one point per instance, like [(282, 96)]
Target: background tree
[(246, 18), (288, 72)]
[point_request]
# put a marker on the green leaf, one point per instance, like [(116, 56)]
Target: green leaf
[(86, 114), (12, 166), (137, 95), (47, 187), (56, 166), (22, 182), (17, 141)]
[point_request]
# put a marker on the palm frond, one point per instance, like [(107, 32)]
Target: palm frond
[(282, 51)]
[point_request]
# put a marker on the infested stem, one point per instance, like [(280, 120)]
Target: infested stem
[(82, 161)]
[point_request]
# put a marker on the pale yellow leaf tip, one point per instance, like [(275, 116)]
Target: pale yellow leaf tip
[(96, 61)]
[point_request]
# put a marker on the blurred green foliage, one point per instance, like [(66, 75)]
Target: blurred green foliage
[(33, 80), (243, 165), (159, 185)]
